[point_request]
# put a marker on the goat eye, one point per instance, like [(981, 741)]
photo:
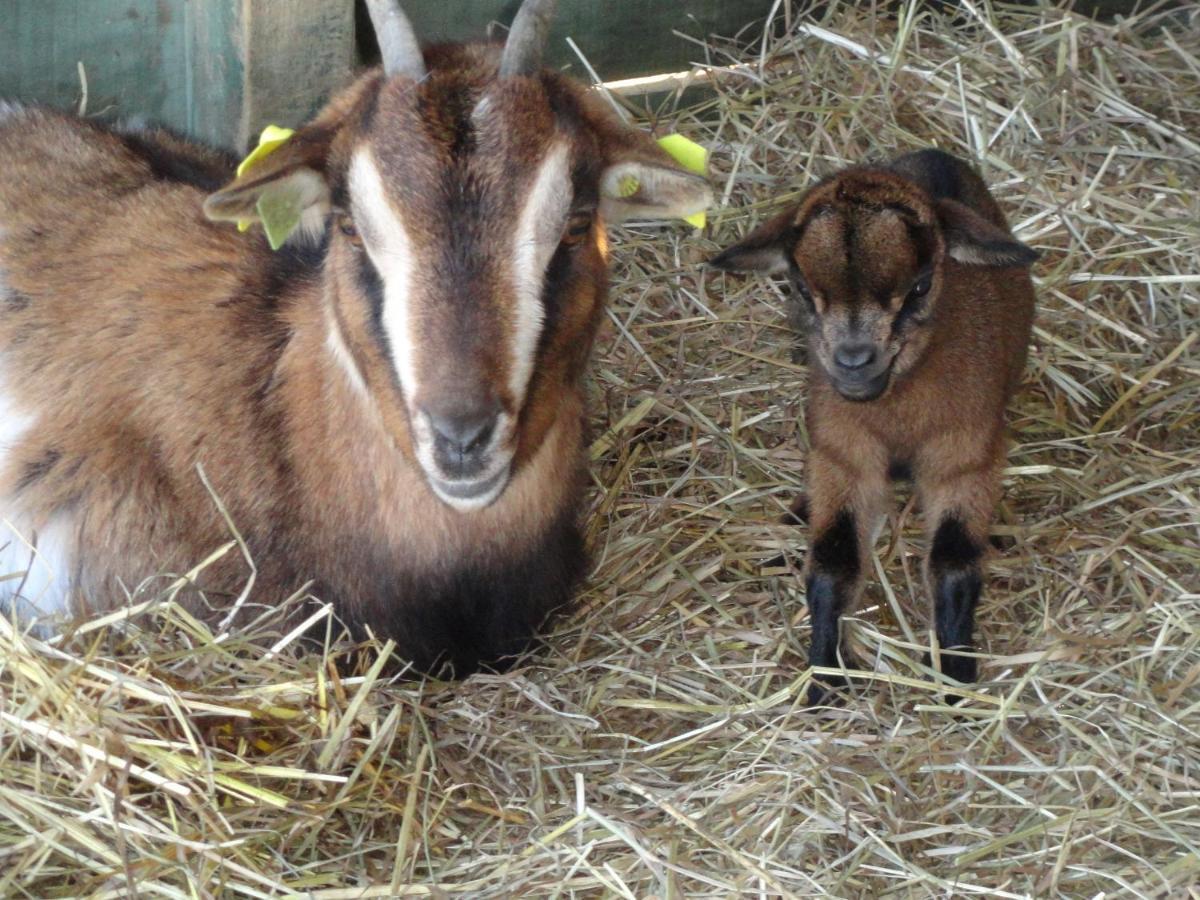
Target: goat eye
[(921, 288), (803, 291), (346, 226), (578, 227)]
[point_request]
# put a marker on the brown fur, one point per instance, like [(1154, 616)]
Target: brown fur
[(144, 340), (856, 245)]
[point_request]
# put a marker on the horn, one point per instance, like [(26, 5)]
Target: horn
[(397, 41), (527, 38)]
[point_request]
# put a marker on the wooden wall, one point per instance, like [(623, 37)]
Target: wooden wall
[(221, 69), (211, 68)]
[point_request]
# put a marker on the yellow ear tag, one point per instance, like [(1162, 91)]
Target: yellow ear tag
[(627, 186), (692, 157), (272, 138)]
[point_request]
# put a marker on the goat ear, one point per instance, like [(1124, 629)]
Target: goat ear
[(640, 179), (767, 249), (651, 189), (285, 191), (973, 240)]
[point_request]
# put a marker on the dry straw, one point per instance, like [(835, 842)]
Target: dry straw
[(657, 745)]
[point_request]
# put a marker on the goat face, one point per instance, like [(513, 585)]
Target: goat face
[(464, 212), (866, 252)]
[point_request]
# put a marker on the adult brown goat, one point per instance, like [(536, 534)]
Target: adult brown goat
[(920, 307), (392, 410)]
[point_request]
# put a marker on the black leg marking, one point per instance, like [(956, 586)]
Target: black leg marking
[(828, 589), (836, 548), (824, 609), (957, 583)]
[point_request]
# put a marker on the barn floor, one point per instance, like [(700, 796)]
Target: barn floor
[(658, 746)]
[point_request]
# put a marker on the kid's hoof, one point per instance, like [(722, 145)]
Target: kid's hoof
[(963, 669), (829, 690)]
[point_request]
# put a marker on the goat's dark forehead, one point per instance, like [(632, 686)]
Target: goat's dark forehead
[(856, 251), (459, 129)]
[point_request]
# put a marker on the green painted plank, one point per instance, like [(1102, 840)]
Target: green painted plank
[(131, 50), (627, 38), (171, 61), (213, 72), (216, 69), (220, 69), (620, 38), (295, 55)]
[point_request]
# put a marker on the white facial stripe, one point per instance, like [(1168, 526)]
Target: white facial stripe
[(391, 251), (336, 344), (538, 231)]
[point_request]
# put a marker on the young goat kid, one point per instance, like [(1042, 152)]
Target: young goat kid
[(919, 307), (393, 412)]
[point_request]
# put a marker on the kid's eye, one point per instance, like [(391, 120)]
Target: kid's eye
[(921, 288)]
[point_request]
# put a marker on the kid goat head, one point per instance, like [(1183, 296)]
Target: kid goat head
[(919, 309), (469, 195), (391, 408), (866, 252)]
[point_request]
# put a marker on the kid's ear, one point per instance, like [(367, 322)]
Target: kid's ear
[(285, 191), (767, 249), (973, 240)]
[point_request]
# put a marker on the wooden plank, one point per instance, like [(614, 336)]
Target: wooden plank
[(221, 69), (213, 74), (295, 54), (629, 38), (217, 69), (131, 50)]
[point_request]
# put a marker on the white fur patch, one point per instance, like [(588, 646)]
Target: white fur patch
[(14, 421), (35, 566), (314, 202), (539, 229), (34, 563)]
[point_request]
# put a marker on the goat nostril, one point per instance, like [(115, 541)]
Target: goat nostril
[(464, 432), (854, 356)]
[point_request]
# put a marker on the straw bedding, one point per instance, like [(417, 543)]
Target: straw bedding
[(657, 745)]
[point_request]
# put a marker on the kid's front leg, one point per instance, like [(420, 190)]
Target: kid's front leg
[(845, 505), (958, 507), (956, 577)]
